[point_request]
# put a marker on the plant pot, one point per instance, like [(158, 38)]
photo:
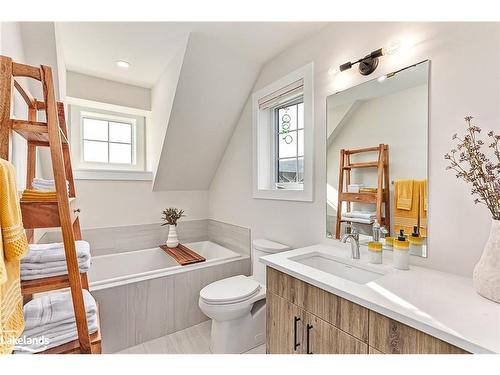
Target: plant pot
[(172, 240), (486, 277)]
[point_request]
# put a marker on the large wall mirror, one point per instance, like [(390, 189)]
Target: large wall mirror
[(377, 136)]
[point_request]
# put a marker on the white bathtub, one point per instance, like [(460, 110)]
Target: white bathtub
[(132, 266)]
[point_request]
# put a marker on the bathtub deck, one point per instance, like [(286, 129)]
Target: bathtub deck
[(192, 340)]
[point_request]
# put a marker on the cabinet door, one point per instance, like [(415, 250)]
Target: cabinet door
[(341, 313), (324, 338), (285, 322), (392, 337)]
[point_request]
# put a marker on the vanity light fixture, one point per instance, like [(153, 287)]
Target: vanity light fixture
[(123, 64), (369, 63)]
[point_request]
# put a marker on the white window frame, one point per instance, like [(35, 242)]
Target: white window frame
[(80, 108), (109, 118), (264, 149)]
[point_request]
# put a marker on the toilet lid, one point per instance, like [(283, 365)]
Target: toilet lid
[(233, 289)]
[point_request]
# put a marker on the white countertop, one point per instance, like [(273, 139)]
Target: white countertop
[(443, 305)]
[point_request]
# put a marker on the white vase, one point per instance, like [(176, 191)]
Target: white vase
[(172, 240), (486, 275)]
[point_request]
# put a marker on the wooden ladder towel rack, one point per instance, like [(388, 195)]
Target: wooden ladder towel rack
[(379, 198), (62, 212)]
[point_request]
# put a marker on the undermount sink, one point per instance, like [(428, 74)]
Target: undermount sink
[(337, 267)]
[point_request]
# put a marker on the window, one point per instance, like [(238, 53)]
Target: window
[(107, 141), (289, 143), (283, 138), (107, 144)]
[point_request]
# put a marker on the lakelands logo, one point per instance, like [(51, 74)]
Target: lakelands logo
[(25, 344)]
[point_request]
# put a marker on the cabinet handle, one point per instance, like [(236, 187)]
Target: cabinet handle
[(309, 327), (295, 343)]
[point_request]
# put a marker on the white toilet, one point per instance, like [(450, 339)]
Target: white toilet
[(237, 305)]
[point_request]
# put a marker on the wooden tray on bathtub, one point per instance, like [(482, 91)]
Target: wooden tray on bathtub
[(183, 255)]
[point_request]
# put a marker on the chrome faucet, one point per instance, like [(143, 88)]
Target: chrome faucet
[(353, 238), (378, 231)]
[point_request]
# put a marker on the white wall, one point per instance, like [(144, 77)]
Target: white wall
[(162, 100), (213, 86), (465, 63), (398, 120), (40, 48), (11, 45), (118, 203), (103, 90)]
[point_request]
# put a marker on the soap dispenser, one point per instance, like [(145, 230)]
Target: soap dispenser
[(376, 231), (416, 242), (401, 257)]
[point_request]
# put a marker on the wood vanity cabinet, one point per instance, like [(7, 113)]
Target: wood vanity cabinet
[(292, 330), (304, 319)]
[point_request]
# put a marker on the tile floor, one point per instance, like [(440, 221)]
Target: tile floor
[(192, 340)]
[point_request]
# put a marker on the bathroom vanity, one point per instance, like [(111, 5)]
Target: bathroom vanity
[(305, 319), (320, 301)]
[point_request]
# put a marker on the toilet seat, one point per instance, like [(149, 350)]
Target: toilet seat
[(230, 291)]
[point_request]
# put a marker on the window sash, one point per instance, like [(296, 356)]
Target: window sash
[(108, 142), (276, 133)]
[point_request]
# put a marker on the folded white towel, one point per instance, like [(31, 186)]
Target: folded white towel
[(54, 252), (50, 321), (52, 309), (41, 181), (361, 214), (33, 271), (358, 220), (51, 338), (47, 260), (45, 185)]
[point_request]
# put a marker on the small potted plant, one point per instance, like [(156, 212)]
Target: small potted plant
[(170, 217), (477, 162)]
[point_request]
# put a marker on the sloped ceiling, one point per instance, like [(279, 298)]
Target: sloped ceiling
[(212, 88), (200, 75), (93, 47)]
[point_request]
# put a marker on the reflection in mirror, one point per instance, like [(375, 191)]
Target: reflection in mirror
[(377, 159)]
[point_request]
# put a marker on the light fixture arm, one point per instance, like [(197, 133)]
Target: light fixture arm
[(367, 64)]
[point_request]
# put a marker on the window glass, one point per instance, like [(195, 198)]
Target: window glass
[(289, 118), (300, 143), (95, 129), (120, 153), (300, 116), (288, 145), (120, 132), (95, 151), (287, 170)]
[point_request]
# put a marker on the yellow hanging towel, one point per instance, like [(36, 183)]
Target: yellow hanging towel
[(403, 194), (13, 246), (422, 207), (406, 199)]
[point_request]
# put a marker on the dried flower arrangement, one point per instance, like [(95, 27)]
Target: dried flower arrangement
[(171, 215), (476, 168)]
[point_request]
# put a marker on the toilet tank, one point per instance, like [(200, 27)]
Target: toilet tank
[(262, 247)]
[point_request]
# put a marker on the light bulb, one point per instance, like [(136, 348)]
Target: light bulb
[(392, 47), (334, 69)]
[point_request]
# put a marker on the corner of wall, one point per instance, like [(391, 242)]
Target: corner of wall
[(162, 100)]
